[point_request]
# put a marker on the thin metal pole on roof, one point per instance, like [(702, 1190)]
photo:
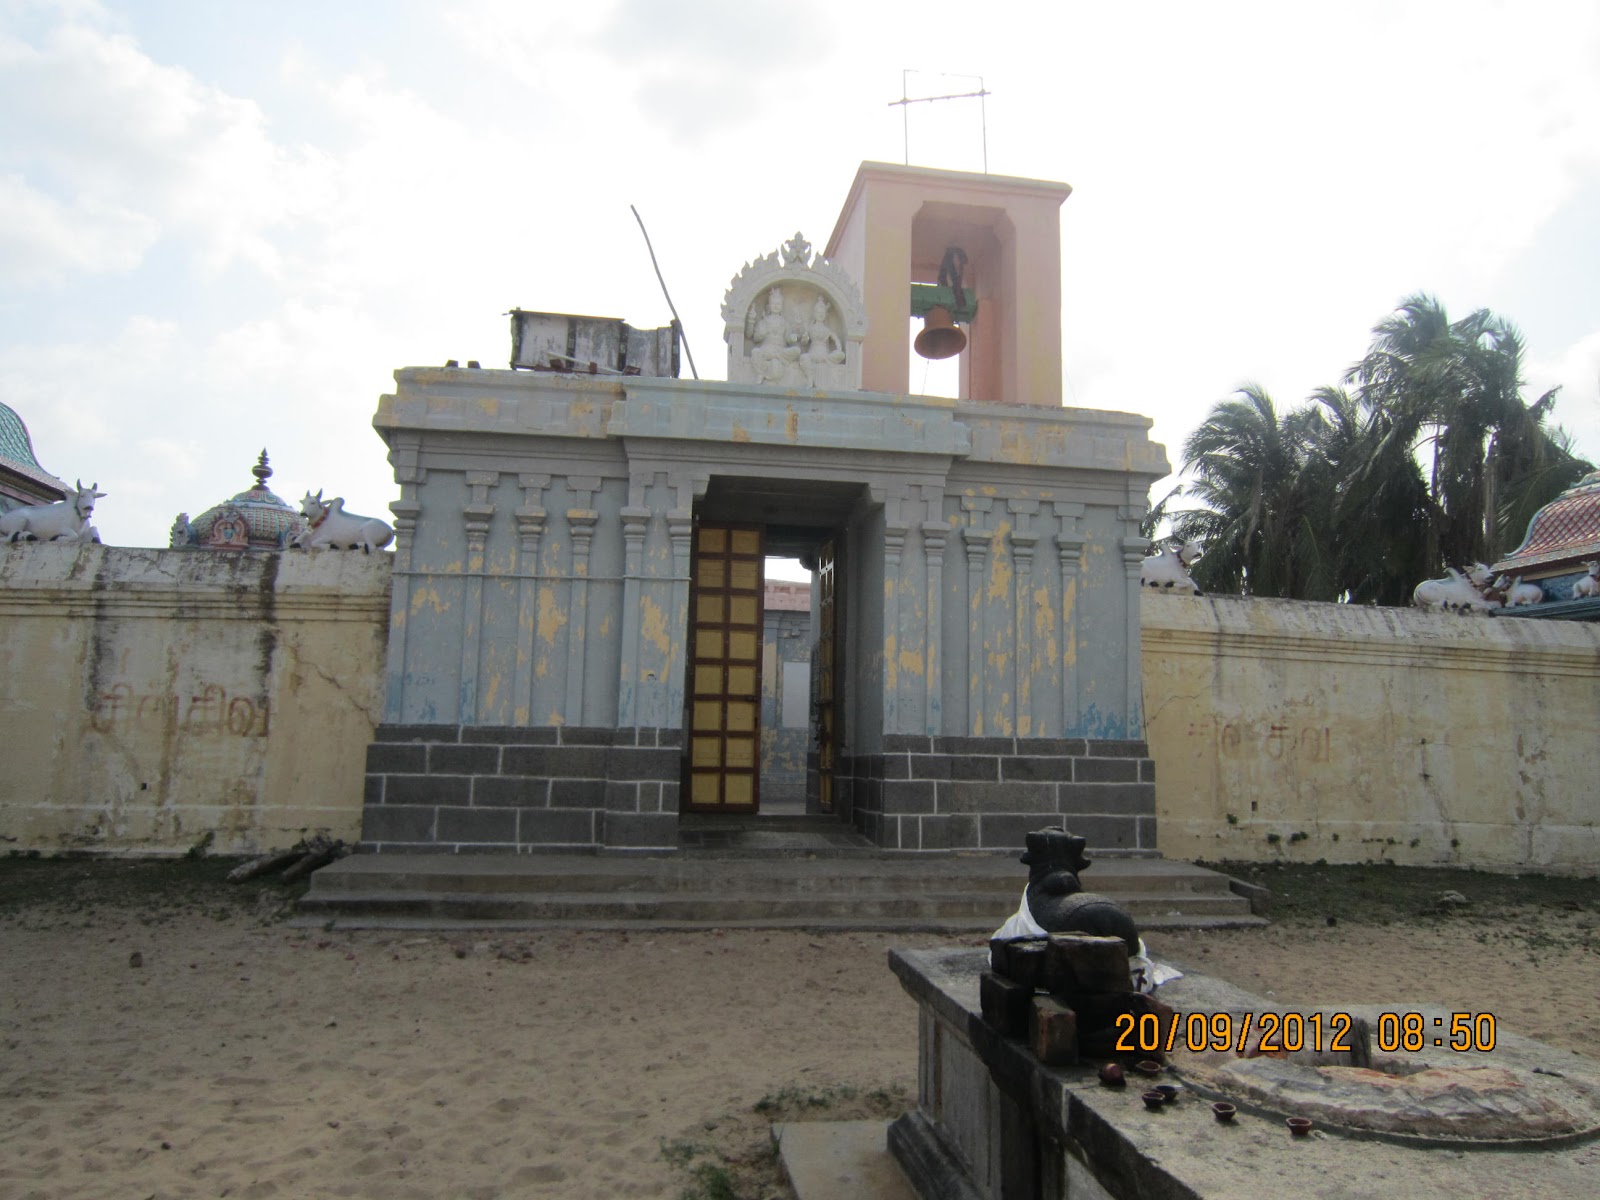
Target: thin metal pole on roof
[(906, 101), (664, 292)]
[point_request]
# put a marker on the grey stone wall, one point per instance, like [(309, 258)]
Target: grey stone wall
[(474, 787), (948, 793)]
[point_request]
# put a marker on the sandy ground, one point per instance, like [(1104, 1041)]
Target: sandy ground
[(250, 1060)]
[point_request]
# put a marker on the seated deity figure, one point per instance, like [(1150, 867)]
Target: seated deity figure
[(823, 346), (774, 355)]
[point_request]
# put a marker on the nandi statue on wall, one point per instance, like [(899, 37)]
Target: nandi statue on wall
[(1168, 568), (64, 521), (328, 525), (1588, 585), (1456, 592)]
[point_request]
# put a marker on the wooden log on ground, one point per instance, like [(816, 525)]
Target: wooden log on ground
[(275, 861), (319, 856)]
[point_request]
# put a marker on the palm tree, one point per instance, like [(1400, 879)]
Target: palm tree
[(1263, 516), (1453, 390), (1432, 460)]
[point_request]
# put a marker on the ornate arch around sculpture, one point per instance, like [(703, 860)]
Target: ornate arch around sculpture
[(820, 351)]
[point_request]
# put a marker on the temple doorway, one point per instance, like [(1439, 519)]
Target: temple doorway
[(762, 706)]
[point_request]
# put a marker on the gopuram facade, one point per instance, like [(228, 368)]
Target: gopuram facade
[(574, 655)]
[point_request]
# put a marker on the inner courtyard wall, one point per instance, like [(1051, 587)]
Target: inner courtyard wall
[(152, 697), (156, 700), (1293, 731)]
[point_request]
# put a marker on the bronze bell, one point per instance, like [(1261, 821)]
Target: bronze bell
[(940, 337)]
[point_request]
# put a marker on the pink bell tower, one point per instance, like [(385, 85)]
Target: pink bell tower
[(894, 230)]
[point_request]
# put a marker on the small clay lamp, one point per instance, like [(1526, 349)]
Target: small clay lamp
[(1223, 1111), (1147, 1066), (1299, 1126), (1112, 1075), (1154, 1100), (1168, 1090)]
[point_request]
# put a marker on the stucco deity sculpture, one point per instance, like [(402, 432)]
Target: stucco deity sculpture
[(773, 353), (64, 521), (824, 347), (792, 319)]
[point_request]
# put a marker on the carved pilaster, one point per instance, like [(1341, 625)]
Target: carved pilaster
[(978, 539), (935, 534), (477, 515), (1069, 550), (635, 528), (1023, 542), (580, 527), (530, 518)]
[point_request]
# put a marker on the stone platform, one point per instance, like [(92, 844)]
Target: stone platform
[(992, 1123)]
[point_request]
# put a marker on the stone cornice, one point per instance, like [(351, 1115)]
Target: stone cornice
[(1411, 638)]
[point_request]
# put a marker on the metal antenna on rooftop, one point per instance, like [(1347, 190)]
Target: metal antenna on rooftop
[(670, 306), (906, 101)]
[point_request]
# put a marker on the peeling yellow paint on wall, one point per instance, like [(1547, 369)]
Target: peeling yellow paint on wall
[(426, 597), (891, 667), (1043, 619), (739, 434), (552, 617), (911, 662), (791, 425), (1000, 565), (653, 625)]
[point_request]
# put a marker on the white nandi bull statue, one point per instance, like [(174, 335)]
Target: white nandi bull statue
[(1588, 585), (1456, 592), (1168, 568), (64, 521), (1518, 594), (328, 525)]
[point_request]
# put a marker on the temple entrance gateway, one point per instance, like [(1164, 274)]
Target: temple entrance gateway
[(576, 647)]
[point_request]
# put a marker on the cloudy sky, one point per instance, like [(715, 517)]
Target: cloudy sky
[(223, 225)]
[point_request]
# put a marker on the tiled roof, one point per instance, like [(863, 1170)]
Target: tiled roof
[(1568, 528), (16, 450)]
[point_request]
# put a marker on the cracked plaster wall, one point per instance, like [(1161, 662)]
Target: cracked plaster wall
[(150, 697), (1297, 731)]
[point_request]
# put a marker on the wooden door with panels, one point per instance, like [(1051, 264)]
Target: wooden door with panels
[(725, 601)]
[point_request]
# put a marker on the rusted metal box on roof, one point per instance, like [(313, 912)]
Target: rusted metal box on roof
[(591, 345)]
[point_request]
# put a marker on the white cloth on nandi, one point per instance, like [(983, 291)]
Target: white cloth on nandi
[(1169, 568), (64, 521), (1144, 973), (328, 525), (1455, 592)]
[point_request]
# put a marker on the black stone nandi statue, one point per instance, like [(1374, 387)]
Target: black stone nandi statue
[(1055, 902)]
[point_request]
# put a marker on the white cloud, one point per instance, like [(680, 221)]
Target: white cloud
[(150, 144), (43, 240)]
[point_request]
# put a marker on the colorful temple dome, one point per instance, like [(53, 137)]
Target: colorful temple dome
[(255, 519), (22, 479), (1564, 533)]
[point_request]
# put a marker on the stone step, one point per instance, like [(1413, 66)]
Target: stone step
[(969, 892), (934, 909), (814, 875)]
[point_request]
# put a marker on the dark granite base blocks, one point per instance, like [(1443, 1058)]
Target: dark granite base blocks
[(954, 793), (465, 788)]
